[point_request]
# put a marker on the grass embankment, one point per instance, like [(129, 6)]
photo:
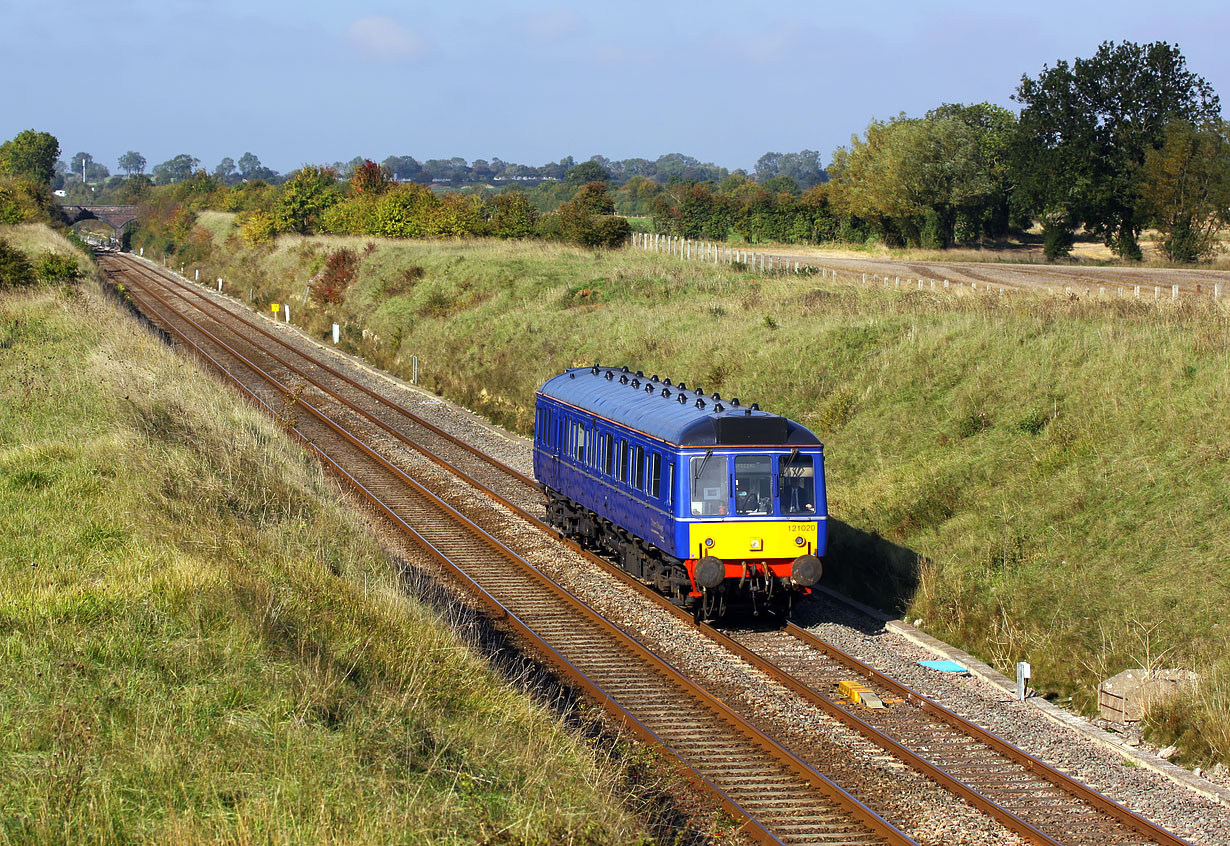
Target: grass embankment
[(1037, 478), (200, 645)]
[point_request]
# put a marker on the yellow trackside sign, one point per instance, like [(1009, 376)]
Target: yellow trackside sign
[(274, 308)]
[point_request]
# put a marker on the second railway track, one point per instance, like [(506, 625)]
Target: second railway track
[(1025, 795)]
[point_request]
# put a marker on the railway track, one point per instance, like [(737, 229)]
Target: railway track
[(1039, 803), (782, 798)]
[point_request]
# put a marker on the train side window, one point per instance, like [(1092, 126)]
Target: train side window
[(580, 442), (655, 475), (638, 468), (608, 455), (623, 460), (710, 486), (670, 485)]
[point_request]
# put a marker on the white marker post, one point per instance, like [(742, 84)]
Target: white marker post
[(1022, 676), (337, 332)]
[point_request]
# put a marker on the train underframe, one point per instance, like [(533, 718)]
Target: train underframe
[(757, 587)]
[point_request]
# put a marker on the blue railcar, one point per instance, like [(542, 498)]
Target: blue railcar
[(703, 498)]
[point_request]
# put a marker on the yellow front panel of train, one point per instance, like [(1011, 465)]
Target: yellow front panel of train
[(737, 541)]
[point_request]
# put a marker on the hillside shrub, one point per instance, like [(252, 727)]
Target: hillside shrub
[(57, 267), (339, 271), (15, 268)]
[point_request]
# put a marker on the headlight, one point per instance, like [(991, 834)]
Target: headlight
[(709, 543), (799, 541)]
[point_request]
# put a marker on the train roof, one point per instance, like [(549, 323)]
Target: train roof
[(654, 406)]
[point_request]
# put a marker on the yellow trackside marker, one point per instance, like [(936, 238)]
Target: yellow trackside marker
[(859, 694), (274, 308)]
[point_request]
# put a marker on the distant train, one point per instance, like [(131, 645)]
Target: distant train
[(711, 502)]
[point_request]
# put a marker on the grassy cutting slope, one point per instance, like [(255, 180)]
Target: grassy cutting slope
[(199, 645), (1036, 477)]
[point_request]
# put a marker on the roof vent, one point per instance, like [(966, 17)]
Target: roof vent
[(594, 370), (655, 377), (623, 380), (682, 386), (747, 412), (625, 368), (700, 392), (666, 392), (641, 374), (719, 408), (716, 396), (735, 402), (682, 399), (666, 381), (572, 375), (755, 406), (636, 384), (648, 388), (700, 403)]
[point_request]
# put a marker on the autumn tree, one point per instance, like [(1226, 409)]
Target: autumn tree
[(1186, 188), (308, 193), (369, 178)]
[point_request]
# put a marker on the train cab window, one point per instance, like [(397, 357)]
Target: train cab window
[(638, 468), (655, 475), (710, 486), (753, 484), (798, 476)]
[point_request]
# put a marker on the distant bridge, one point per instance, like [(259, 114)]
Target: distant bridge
[(117, 217)]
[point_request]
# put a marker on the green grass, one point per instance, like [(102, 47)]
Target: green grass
[(1038, 478), (199, 644)]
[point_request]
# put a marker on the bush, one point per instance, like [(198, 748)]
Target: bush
[(15, 269), (1057, 239), (57, 267), (258, 228), (339, 271)]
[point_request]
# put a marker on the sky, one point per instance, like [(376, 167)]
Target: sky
[(309, 81)]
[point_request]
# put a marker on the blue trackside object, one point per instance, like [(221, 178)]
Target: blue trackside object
[(706, 499)]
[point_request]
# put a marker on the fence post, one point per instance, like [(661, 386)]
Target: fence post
[(945, 283), (286, 309), (219, 284), (1136, 291), (1217, 291), (1157, 292), (1174, 292)]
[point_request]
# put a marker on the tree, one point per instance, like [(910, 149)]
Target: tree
[(803, 167), (767, 166), (251, 169), (225, 171), (587, 172), (84, 166), (176, 169), (1187, 188), (132, 162), (30, 155), (308, 193), (403, 168), (1086, 129), (369, 178)]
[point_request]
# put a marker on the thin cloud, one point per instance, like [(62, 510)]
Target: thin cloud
[(385, 39), (554, 25)]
